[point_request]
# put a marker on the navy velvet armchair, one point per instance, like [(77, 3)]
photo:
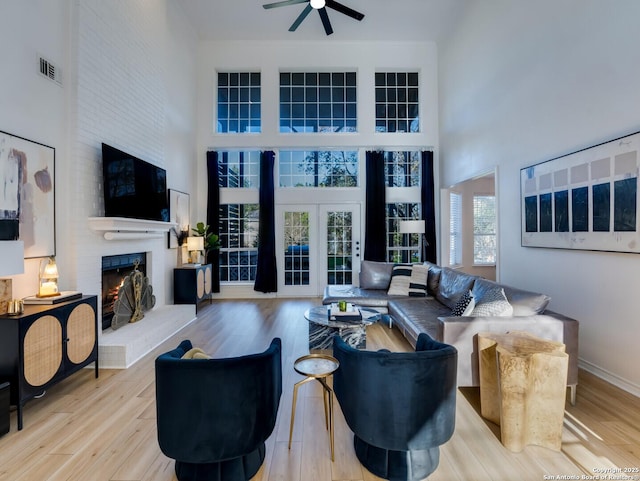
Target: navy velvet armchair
[(214, 415), (399, 405)]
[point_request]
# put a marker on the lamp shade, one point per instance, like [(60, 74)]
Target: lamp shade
[(412, 227), (195, 243), (11, 258), (317, 4)]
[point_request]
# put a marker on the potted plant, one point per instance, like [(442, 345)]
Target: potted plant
[(211, 240)]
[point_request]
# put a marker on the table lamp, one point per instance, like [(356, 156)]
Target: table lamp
[(48, 278), (194, 246), (11, 263)]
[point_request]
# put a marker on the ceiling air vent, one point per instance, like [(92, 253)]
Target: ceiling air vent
[(49, 70)]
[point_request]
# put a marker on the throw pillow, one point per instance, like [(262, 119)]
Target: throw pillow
[(418, 280), (493, 303), (400, 280), (464, 306), (195, 353)]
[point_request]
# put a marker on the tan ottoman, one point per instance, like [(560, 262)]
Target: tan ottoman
[(523, 383)]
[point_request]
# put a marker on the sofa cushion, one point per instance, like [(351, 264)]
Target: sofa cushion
[(375, 275), (464, 306), (524, 303), (453, 284), (433, 279), (400, 280), (493, 303), (375, 298)]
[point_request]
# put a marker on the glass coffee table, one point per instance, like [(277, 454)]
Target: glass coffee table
[(322, 329)]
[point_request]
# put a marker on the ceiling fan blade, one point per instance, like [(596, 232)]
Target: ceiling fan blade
[(325, 20), (284, 3), (300, 18), (344, 9)]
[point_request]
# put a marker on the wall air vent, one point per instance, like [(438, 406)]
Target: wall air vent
[(49, 70)]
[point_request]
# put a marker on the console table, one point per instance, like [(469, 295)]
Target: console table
[(523, 381), (45, 344), (192, 284)]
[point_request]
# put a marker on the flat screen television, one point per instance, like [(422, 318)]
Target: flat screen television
[(133, 188)]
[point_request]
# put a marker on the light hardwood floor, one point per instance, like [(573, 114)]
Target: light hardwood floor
[(104, 429)]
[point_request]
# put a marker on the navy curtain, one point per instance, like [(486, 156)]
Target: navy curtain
[(429, 207), (213, 216), (266, 275), (375, 209)]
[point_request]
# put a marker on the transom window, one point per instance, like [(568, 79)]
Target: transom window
[(238, 102), (239, 169), (318, 168), (238, 230), (397, 103), (318, 102), (402, 169)]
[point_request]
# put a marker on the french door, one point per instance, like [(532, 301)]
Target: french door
[(318, 244)]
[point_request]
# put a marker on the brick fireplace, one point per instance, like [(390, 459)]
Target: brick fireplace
[(118, 238)]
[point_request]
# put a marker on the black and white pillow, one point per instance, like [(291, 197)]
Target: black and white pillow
[(400, 280), (418, 280), (493, 303), (464, 306)]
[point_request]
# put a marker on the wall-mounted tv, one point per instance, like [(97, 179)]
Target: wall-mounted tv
[(133, 188)]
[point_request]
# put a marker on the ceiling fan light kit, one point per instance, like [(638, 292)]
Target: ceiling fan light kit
[(321, 7)]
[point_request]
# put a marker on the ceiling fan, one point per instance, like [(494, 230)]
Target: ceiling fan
[(321, 7)]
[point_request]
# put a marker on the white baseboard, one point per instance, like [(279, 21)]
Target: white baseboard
[(610, 377)]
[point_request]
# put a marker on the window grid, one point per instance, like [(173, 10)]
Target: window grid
[(484, 229), (238, 231), (397, 103), (404, 248), (296, 255), (239, 102), (324, 168), (455, 229), (239, 169), (339, 248), (402, 169), (318, 102)]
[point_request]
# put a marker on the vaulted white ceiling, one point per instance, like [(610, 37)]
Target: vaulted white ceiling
[(385, 20)]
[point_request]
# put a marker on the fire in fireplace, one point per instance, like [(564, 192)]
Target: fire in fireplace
[(114, 270)]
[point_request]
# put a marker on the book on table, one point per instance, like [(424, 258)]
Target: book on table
[(350, 314), (64, 296)]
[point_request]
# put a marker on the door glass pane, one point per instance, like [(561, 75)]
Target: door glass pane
[(339, 248), (296, 254)]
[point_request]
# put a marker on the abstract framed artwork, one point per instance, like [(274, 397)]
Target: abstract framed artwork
[(178, 213), (27, 180), (585, 200)]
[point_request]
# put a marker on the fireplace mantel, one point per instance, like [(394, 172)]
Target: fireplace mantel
[(123, 228)]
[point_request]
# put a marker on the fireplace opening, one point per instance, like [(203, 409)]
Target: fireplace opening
[(114, 270)]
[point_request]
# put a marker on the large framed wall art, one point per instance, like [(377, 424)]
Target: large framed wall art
[(584, 200), (27, 194)]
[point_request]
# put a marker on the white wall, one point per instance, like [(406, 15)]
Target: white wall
[(32, 106), (524, 82), (129, 80)]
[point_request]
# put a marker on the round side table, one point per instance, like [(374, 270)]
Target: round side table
[(318, 367)]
